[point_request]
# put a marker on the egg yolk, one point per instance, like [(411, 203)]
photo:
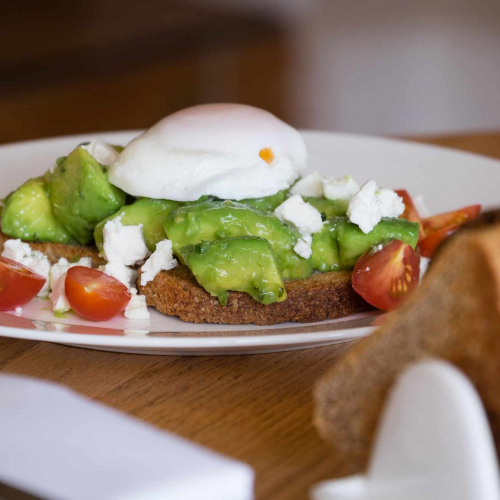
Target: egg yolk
[(266, 154)]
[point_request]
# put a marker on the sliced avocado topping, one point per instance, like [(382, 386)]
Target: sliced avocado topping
[(146, 211), (325, 249), (353, 242), (267, 203), (214, 220), (81, 194), (331, 208), (245, 264), (28, 215)]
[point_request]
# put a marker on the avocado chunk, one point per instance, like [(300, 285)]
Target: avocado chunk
[(246, 264), (28, 215), (325, 249), (267, 203), (81, 194), (146, 211), (214, 220), (331, 208), (353, 242)]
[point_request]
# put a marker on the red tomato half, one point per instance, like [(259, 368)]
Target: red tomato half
[(411, 213), (18, 284), (451, 219), (429, 244), (439, 227), (94, 295), (386, 277)]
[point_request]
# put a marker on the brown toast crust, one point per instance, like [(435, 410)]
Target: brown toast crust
[(321, 296)]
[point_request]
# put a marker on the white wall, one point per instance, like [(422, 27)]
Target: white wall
[(396, 67)]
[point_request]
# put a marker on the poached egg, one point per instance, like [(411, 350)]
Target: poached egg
[(231, 151)]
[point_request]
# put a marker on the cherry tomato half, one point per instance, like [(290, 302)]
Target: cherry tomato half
[(386, 277), (439, 227), (429, 244), (411, 213), (94, 295), (18, 284)]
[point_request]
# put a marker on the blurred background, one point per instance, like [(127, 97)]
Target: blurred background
[(387, 67)]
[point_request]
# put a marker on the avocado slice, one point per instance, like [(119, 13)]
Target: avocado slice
[(81, 194), (266, 203), (353, 242), (246, 264), (28, 215), (331, 208), (149, 212), (325, 249), (214, 220)]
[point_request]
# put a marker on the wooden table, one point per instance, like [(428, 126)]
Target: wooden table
[(254, 408)]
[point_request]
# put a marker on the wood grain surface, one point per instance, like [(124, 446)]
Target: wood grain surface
[(255, 408)]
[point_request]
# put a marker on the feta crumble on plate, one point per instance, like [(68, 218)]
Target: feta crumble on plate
[(137, 308)]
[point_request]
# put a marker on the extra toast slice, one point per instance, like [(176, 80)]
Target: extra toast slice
[(316, 298), (453, 315)]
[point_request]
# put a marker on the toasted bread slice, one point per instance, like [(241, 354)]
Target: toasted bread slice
[(319, 297), (453, 315), (177, 293)]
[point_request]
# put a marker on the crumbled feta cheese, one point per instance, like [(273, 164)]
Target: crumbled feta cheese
[(161, 259), (102, 152), (391, 205), (364, 209), (421, 207), (343, 188), (301, 214), (57, 296), (36, 261), (122, 273), (18, 310), (303, 247), (137, 308), (370, 204), (310, 185), (124, 244), (58, 281)]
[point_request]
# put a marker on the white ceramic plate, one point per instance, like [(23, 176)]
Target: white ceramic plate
[(447, 179)]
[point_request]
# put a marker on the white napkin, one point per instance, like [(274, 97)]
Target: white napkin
[(433, 443), (59, 445)]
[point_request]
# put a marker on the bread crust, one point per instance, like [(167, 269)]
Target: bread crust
[(316, 298)]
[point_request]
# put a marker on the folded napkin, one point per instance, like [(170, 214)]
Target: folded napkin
[(433, 443), (59, 445)]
